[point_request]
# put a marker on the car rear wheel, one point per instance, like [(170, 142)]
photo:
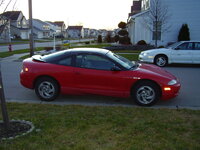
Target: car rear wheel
[(146, 93), (46, 89), (161, 60)]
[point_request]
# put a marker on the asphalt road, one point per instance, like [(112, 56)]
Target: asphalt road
[(44, 44), (189, 96)]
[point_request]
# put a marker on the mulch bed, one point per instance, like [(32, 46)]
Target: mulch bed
[(16, 128)]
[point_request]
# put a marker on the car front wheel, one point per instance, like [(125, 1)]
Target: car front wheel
[(161, 60), (146, 93), (46, 89)]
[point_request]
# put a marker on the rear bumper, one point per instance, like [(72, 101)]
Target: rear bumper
[(26, 80)]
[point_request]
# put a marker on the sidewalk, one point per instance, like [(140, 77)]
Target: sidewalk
[(16, 57)]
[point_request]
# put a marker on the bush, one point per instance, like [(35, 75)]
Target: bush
[(141, 42), (108, 38), (123, 32), (122, 25), (184, 33), (99, 40), (116, 38), (124, 40)]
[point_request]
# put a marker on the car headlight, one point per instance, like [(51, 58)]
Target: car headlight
[(143, 53), (172, 82)]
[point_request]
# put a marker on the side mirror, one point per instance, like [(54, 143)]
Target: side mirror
[(115, 68)]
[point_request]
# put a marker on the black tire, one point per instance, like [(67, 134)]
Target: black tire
[(146, 93), (161, 60), (46, 89)]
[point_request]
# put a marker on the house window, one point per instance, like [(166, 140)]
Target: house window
[(158, 34), (19, 24)]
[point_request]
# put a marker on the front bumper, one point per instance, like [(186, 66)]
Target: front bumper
[(170, 93), (146, 58)]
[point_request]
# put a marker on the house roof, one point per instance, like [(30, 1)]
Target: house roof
[(13, 15), (42, 22), (59, 23), (138, 14), (74, 27)]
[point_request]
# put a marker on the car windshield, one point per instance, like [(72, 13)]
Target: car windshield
[(173, 45), (122, 61)]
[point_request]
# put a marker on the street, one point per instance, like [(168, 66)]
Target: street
[(189, 96), (44, 44)]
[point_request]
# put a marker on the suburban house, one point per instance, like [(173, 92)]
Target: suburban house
[(40, 29), (86, 32), (75, 32), (94, 33), (18, 26), (60, 29), (53, 28), (4, 29), (171, 15)]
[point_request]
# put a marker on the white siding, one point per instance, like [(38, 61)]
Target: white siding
[(180, 12)]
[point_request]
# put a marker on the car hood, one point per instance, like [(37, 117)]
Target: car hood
[(157, 50), (154, 72)]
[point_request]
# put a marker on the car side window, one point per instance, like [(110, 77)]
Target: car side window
[(64, 61), (197, 46), (185, 46), (90, 61)]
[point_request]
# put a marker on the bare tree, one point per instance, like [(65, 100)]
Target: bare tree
[(4, 21), (157, 18)]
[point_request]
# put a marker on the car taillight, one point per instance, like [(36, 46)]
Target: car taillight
[(25, 69)]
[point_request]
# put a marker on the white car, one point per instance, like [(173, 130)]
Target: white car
[(180, 52)]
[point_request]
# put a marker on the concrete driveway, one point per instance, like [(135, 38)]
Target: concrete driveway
[(189, 96)]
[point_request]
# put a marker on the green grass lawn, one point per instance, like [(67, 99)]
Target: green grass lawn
[(105, 128), (6, 54), (132, 57)]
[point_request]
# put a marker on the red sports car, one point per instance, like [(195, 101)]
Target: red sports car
[(97, 71)]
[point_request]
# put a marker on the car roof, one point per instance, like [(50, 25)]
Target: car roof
[(88, 50)]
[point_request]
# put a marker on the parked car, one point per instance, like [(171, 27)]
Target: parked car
[(97, 71), (185, 52)]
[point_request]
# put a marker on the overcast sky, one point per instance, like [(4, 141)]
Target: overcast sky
[(97, 14)]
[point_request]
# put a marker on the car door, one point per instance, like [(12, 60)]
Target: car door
[(182, 53), (93, 75), (196, 53)]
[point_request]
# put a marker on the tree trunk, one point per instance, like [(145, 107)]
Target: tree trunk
[(3, 104)]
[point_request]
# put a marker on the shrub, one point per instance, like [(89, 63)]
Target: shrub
[(99, 40), (184, 33), (116, 38), (122, 25), (123, 32), (124, 40), (108, 38), (141, 42)]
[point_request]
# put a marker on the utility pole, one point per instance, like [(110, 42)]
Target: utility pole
[(31, 28), (6, 120)]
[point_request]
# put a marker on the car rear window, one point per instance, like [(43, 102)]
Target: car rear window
[(50, 58)]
